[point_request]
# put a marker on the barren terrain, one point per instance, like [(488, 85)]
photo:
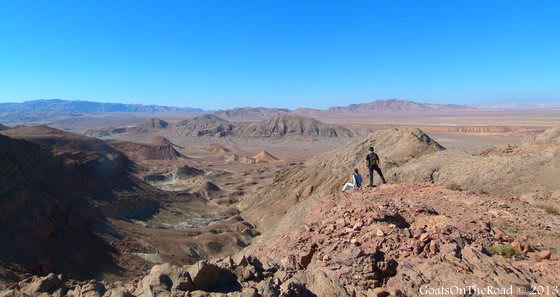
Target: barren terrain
[(472, 198)]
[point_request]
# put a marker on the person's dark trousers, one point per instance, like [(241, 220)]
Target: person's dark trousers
[(378, 170)]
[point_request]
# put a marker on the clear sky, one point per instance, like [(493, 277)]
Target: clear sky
[(223, 54)]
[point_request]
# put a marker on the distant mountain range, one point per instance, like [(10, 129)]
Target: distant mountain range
[(29, 111), (395, 105), (388, 106), (46, 109), (518, 106)]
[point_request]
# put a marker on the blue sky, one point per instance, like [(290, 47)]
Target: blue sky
[(223, 54)]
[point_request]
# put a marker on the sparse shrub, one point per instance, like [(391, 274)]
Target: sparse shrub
[(504, 225), (505, 250), (550, 209), (482, 192), (454, 187), (553, 250)]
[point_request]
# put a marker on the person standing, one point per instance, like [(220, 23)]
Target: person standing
[(356, 181), (372, 163)]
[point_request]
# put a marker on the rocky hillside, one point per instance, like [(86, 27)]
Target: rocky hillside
[(291, 126), (276, 127), (59, 141), (410, 156), (528, 169), (64, 188), (413, 240), (206, 125), (153, 124), (251, 113), (214, 126), (3, 127), (550, 136), (414, 236), (326, 173), (88, 216), (160, 148)]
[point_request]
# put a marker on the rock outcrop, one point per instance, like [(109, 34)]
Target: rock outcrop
[(291, 126), (397, 239), (206, 125), (251, 113)]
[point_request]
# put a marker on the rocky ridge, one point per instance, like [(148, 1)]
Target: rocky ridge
[(251, 113), (290, 126), (325, 173), (519, 170)]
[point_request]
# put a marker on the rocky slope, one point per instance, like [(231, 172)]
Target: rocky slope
[(550, 136), (3, 127), (413, 239), (410, 156), (88, 215), (159, 148), (64, 196), (326, 173), (507, 170), (251, 113), (153, 124), (291, 126), (58, 141), (206, 125), (213, 126)]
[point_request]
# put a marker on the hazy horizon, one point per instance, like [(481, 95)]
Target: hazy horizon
[(520, 102)]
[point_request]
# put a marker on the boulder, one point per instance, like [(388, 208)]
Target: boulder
[(118, 292), (89, 289), (204, 276), (165, 278), (37, 285)]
